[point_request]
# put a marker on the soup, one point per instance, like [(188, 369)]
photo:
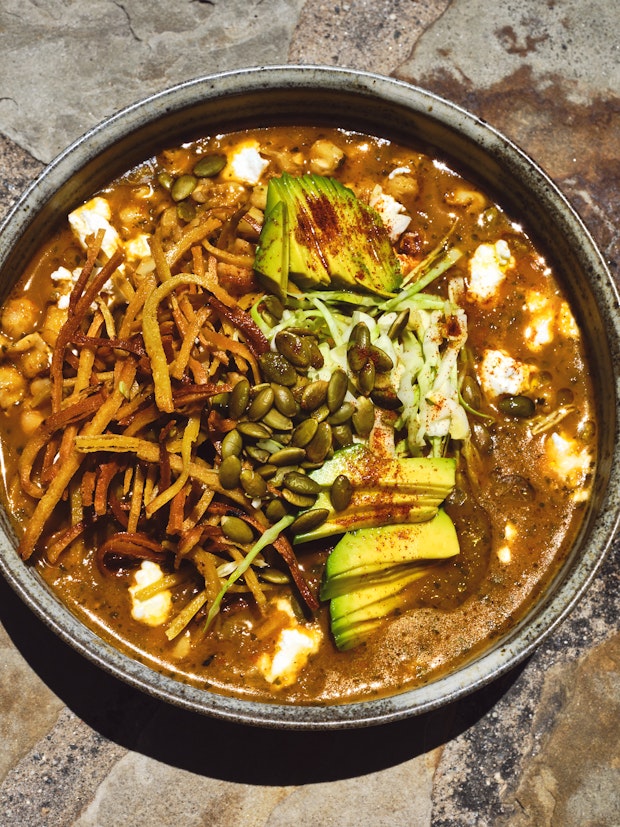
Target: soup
[(294, 414)]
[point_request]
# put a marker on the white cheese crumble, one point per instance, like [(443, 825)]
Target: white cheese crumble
[(155, 610), (569, 460), (548, 316), (91, 217), (295, 644), (499, 373), (392, 212), (487, 270), (245, 163)]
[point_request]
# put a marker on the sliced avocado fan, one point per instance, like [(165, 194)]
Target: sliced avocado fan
[(317, 232), (385, 490), (368, 572)]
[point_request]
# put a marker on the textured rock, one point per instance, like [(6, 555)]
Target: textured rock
[(66, 66)]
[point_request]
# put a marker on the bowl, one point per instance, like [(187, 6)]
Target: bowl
[(381, 106)]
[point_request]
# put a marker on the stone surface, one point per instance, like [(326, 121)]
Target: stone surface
[(537, 748)]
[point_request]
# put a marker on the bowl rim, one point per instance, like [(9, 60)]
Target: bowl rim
[(561, 597)]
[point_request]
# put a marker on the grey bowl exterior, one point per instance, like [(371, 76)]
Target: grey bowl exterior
[(382, 106)]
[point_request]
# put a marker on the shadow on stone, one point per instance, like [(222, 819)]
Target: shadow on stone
[(223, 750)]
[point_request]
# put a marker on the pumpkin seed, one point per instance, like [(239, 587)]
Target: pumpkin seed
[(232, 443), (341, 492), (360, 335), (220, 400), (316, 357), (274, 419), (300, 483), (356, 357), (363, 417), (399, 324), (295, 348), (313, 395), (255, 430), (275, 510), (239, 398), (342, 435), (380, 359), (304, 432), (298, 500), (284, 400), (252, 483), (386, 397), (277, 369), (521, 407), (366, 378), (320, 444), (287, 456), (273, 305), (186, 211), (470, 392), (257, 454), (165, 179), (309, 520), (267, 470), (209, 165), (337, 389), (237, 530), (261, 404), (481, 437), (321, 413), (183, 187), (230, 472), (342, 415), (275, 576), (586, 430)]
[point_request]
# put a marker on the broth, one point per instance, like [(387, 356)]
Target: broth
[(154, 513)]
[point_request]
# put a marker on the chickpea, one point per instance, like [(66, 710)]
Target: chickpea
[(462, 197), (30, 421), (12, 386), (402, 186), (325, 157), (31, 354), (55, 317), (19, 317)]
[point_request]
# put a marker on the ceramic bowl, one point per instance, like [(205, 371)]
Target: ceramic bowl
[(380, 106)]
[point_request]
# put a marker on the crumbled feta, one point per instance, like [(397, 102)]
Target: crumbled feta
[(548, 315), (155, 610), (499, 373), (568, 459), (245, 163), (487, 270), (295, 644), (91, 217), (138, 247), (392, 212)]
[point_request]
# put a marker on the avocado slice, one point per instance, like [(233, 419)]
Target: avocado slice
[(274, 251), (332, 237), (385, 490), (369, 569)]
